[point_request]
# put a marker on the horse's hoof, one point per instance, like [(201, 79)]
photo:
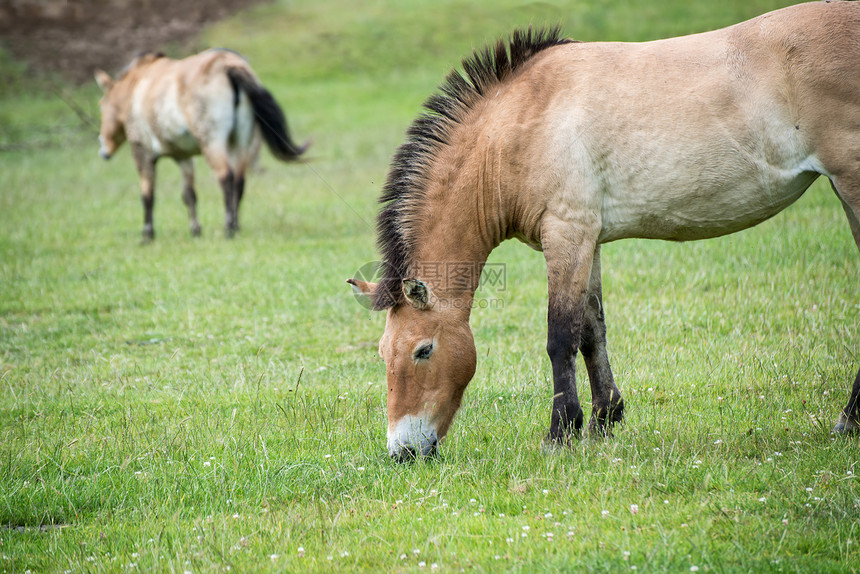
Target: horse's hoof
[(549, 446), (148, 233), (599, 430), (845, 428), (845, 425), (195, 231)]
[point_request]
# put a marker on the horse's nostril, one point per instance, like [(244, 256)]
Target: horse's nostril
[(406, 454)]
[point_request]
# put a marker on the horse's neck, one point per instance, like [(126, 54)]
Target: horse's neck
[(457, 234)]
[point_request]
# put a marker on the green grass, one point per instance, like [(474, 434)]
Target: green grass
[(199, 405)]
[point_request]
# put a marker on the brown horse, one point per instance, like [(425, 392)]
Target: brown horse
[(566, 146), (211, 103)]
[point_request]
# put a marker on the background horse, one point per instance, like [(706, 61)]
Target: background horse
[(211, 103), (567, 146)]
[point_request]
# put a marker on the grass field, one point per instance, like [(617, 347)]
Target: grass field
[(204, 405)]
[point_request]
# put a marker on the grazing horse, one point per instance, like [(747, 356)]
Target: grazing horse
[(210, 103), (566, 146)]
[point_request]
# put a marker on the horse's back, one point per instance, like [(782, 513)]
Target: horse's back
[(191, 105), (703, 135)]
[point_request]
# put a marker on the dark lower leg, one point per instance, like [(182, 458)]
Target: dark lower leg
[(189, 197), (231, 203), (849, 418), (148, 203), (240, 192), (145, 164), (607, 404), (563, 341)]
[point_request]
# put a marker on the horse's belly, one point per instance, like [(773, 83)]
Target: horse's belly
[(182, 144), (689, 213)]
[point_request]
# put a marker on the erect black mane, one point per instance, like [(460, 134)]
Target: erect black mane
[(407, 177)]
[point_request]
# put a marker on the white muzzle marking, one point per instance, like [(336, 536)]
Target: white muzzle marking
[(412, 436), (103, 151)]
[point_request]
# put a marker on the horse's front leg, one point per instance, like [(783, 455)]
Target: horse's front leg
[(145, 163), (569, 253), (849, 418), (607, 405), (848, 190)]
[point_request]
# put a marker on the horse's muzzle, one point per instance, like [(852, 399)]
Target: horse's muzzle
[(105, 155), (409, 453), (412, 437)]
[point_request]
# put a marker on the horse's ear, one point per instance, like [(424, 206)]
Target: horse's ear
[(364, 290), (104, 81), (416, 293)]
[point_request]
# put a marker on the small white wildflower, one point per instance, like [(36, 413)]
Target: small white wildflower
[(694, 568), (422, 564), (634, 509), (762, 499), (604, 513), (273, 557), (301, 551)]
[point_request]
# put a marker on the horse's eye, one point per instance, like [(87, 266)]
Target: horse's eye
[(423, 352)]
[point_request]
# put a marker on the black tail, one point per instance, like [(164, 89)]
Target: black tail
[(269, 116)]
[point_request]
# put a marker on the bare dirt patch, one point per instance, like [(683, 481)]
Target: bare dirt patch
[(75, 38)]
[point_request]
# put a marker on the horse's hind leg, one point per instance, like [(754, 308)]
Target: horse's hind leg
[(231, 203), (849, 192), (607, 404), (146, 171), (216, 157), (189, 196)]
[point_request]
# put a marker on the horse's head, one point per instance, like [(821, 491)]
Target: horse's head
[(116, 98), (112, 131), (429, 359)]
